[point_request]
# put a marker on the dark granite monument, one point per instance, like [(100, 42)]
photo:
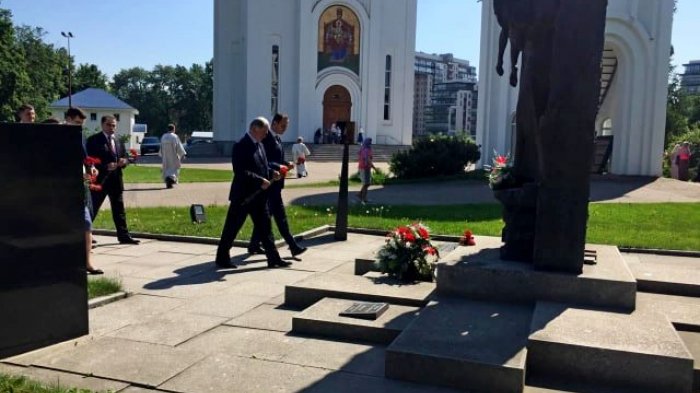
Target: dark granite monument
[(43, 286), (562, 44)]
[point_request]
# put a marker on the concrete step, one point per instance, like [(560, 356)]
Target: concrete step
[(683, 312), (365, 263), (372, 287), (469, 345), (323, 319), (692, 342), (639, 351), (478, 273), (666, 278)]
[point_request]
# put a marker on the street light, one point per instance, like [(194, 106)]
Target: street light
[(68, 36)]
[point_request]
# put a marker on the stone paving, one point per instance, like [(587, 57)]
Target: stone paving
[(188, 327)]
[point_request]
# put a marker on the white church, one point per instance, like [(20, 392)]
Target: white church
[(329, 61)]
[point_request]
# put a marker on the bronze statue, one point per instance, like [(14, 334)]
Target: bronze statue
[(561, 45), (513, 16)]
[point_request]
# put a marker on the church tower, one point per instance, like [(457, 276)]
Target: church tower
[(320, 61)]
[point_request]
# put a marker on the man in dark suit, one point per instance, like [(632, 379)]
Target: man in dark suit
[(252, 176), (275, 156), (113, 157)]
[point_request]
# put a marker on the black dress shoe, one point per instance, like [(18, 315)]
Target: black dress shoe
[(297, 250), (253, 251), (128, 240), (223, 262), (279, 263), (94, 271)]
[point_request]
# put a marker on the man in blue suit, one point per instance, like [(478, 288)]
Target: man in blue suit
[(252, 174), (272, 142)]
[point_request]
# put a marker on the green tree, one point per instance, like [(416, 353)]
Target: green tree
[(46, 66), (13, 75), (89, 75)]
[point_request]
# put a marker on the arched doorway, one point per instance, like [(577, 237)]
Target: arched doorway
[(336, 105)]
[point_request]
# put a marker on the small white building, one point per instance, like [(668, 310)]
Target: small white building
[(320, 61), (637, 50), (97, 103)]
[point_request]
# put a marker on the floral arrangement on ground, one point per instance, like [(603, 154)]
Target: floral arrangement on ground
[(408, 254)]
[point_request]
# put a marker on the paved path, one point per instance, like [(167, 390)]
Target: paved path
[(190, 328), (603, 189)]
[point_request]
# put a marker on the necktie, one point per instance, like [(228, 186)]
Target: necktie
[(112, 145)]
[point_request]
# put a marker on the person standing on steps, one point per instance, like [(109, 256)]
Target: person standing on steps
[(275, 155)]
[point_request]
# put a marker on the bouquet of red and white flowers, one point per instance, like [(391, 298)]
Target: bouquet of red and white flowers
[(408, 254), (500, 174)]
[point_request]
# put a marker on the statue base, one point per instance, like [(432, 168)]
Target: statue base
[(519, 215)]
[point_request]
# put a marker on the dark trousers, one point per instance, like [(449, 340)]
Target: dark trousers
[(276, 206), (116, 201), (236, 216)]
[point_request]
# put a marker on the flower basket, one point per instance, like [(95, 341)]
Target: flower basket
[(408, 255)]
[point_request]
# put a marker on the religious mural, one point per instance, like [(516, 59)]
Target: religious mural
[(339, 39)]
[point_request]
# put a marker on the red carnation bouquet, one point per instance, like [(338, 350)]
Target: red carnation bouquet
[(91, 175), (408, 254), (467, 239), (133, 155)]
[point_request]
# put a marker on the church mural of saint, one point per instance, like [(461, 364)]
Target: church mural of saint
[(339, 39)]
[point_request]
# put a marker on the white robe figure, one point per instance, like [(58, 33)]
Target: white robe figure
[(299, 152), (172, 151)]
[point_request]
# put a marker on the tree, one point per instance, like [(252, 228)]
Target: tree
[(89, 75), (46, 66), (13, 75)]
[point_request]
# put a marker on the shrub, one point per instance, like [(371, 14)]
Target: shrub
[(435, 155)]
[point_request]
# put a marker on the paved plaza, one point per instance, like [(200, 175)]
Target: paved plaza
[(187, 327)]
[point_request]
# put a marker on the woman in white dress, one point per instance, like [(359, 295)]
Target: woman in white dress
[(299, 152)]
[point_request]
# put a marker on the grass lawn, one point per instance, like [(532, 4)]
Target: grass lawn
[(102, 286), (151, 174), (23, 385), (632, 225)]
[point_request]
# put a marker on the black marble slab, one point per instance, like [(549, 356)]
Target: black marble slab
[(43, 285)]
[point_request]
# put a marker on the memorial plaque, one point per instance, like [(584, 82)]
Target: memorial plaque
[(43, 285), (197, 214), (365, 310)]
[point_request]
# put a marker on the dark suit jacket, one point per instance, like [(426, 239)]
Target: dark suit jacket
[(250, 167), (98, 146), (275, 156)]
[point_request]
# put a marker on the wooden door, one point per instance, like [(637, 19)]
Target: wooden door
[(336, 105)]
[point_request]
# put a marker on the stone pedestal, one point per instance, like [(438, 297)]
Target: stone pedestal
[(43, 294), (519, 215)]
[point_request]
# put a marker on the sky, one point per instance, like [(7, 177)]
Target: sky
[(118, 34)]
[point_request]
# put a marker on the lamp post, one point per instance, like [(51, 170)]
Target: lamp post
[(68, 36)]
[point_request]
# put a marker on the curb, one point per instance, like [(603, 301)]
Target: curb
[(104, 300), (656, 251), (208, 240)]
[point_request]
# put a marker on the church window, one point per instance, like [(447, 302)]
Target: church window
[(387, 89), (275, 78)]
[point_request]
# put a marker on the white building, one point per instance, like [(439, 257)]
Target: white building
[(97, 103), (320, 61), (638, 45)]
